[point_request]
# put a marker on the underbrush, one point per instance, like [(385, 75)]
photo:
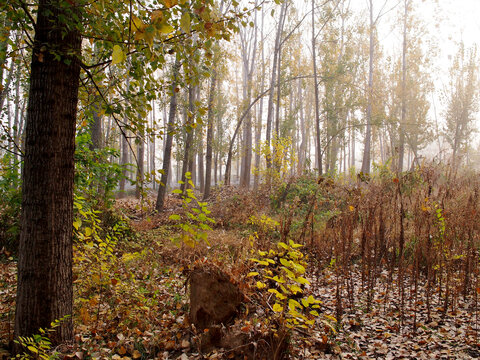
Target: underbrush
[(322, 263), (418, 228)]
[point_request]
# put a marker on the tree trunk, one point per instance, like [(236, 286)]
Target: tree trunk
[(302, 152), (125, 152), (273, 81), (200, 165), (167, 153), (152, 150), (401, 146), (317, 102), (368, 132), (187, 157), (44, 287), (140, 164), (208, 156)]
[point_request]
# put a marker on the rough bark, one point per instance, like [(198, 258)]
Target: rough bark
[(44, 287)]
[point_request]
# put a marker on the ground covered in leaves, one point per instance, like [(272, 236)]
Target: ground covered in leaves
[(132, 302)]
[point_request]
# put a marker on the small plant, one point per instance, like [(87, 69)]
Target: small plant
[(195, 226), (282, 273), (38, 346), (265, 226)]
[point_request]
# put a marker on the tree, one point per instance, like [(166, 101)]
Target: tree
[(44, 289), (373, 23), (167, 153), (209, 152), (462, 96)]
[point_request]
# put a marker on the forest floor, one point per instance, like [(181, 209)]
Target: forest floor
[(134, 304)]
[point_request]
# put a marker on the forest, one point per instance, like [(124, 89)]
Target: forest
[(233, 179)]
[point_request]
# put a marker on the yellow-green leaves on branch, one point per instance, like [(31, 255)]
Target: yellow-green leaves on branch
[(279, 273)]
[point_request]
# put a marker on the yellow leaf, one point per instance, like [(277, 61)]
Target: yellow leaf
[(261, 285), (118, 55), (351, 208), (138, 24), (302, 280), (295, 245), (76, 224), (166, 28), (185, 22), (295, 289), (293, 304), (277, 308), (277, 294), (253, 273), (285, 262)]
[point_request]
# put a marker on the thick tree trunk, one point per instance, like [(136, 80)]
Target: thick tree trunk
[(44, 287), (167, 153)]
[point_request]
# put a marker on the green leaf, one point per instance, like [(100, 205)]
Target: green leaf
[(177, 191), (175, 217), (118, 55)]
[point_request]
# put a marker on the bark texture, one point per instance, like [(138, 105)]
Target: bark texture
[(44, 291)]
